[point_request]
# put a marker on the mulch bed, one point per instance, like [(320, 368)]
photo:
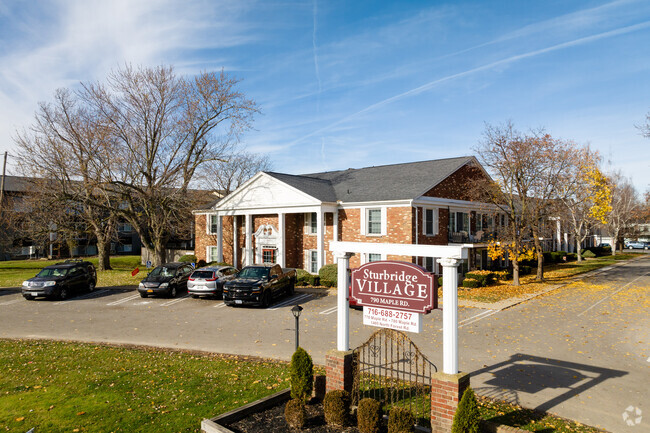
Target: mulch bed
[(272, 421)]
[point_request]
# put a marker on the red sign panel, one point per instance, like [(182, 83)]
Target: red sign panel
[(395, 285)]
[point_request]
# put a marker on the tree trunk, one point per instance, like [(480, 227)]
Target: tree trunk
[(540, 259), (614, 243), (515, 273), (579, 249), (159, 256), (103, 254)]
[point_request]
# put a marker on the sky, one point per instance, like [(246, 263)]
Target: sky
[(350, 84)]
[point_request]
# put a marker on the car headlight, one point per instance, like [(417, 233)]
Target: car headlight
[(164, 285), (141, 286), (49, 283), (27, 283)]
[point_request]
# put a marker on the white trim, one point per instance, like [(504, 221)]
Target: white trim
[(387, 203), (208, 255), (435, 222), (326, 207), (363, 220), (464, 204)]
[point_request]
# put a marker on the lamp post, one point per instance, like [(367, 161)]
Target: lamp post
[(296, 313)]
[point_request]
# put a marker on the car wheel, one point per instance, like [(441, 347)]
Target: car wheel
[(91, 286), (266, 300), (63, 293), (143, 295), (172, 292)]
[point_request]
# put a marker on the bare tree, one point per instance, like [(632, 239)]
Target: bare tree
[(165, 128), (228, 174), (66, 146), (625, 206)]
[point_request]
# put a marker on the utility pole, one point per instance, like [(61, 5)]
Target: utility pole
[(2, 182)]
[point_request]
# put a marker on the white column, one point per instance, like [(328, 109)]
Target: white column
[(335, 227), (558, 233), (320, 237), (343, 307), (220, 238), (235, 241), (248, 258), (449, 315), (281, 259)]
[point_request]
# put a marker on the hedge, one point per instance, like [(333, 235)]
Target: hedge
[(471, 283), (484, 277), (304, 278), (188, 258), (328, 275)]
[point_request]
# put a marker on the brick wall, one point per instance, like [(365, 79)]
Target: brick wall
[(446, 392), (338, 370), (459, 185)]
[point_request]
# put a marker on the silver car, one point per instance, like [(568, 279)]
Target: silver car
[(209, 281)]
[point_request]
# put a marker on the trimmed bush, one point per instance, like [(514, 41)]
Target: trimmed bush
[(304, 278), (328, 275), (588, 254), (336, 406), (400, 420), (219, 264), (503, 275), (200, 263), (484, 277), (467, 417), (601, 251), (188, 258), (471, 283), (369, 416), (294, 413), (571, 257), (439, 281), (302, 375)]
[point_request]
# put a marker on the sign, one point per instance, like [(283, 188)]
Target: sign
[(135, 272), (193, 265), (393, 319), (395, 285), (148, 264)]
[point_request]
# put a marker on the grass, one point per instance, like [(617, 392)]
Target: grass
[(527, 419), (71, 387), (553, 275), (14, 272)]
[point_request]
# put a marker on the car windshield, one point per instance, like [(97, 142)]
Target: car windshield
[(202, 274), (53, 272), (254, 273), (163, 271)]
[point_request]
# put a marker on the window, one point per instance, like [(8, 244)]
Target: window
[(125, 228), (127, 248), (268, 255), (214, 225), (374, 222), (313, 261), (311, 222), (431, 222), (374, 257), (213, 254), (459, 221), (429, 264)]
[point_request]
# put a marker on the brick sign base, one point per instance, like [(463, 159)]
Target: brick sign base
[(446, 392)]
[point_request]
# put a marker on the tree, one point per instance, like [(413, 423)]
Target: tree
[(624, 209), (233, 170), (164, 128), (526, 170), (586, 195)]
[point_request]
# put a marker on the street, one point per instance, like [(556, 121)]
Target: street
[(580, 352)]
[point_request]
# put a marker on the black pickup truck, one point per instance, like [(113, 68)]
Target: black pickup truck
[(258, 285)]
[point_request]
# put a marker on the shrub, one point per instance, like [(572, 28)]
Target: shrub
[(503, 275), (601, 251), (467, 416), (484, 277), (524, 269), (304, 278), (571, 257), (439, 281), (188, 258), (400, 420), (302, 375), (328, 275), (369, 415), (588, 254), (294, 413), (471, 283), (336, 406), (200, 263)]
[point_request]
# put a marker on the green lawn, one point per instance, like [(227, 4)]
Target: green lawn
[(69, 387), (14, 272)]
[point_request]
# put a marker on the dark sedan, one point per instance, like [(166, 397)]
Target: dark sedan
[(61, 280), (166, 280)]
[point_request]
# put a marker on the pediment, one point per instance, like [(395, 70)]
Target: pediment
[(263, 191)]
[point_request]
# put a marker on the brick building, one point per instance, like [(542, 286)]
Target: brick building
[(291, 219)]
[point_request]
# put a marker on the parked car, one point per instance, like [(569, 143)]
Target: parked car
[(166, 280), (637, 245), (61, 280), (258, 285), (209, 281)]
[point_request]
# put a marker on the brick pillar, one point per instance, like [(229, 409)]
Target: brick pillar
[(338, 370), (446, 391)]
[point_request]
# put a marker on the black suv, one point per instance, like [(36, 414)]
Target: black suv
[(61, 280)]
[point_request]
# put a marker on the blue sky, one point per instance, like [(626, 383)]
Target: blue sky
[(357, 83)]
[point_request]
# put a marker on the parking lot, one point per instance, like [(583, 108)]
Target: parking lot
[(581, 352)]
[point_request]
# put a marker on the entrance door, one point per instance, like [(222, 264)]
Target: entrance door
[(268, 255)]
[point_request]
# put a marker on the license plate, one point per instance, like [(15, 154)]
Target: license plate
[(150, 291), (199, 287), (238, 301)]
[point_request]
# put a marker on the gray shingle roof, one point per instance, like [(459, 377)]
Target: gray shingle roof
[(386, 182)]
